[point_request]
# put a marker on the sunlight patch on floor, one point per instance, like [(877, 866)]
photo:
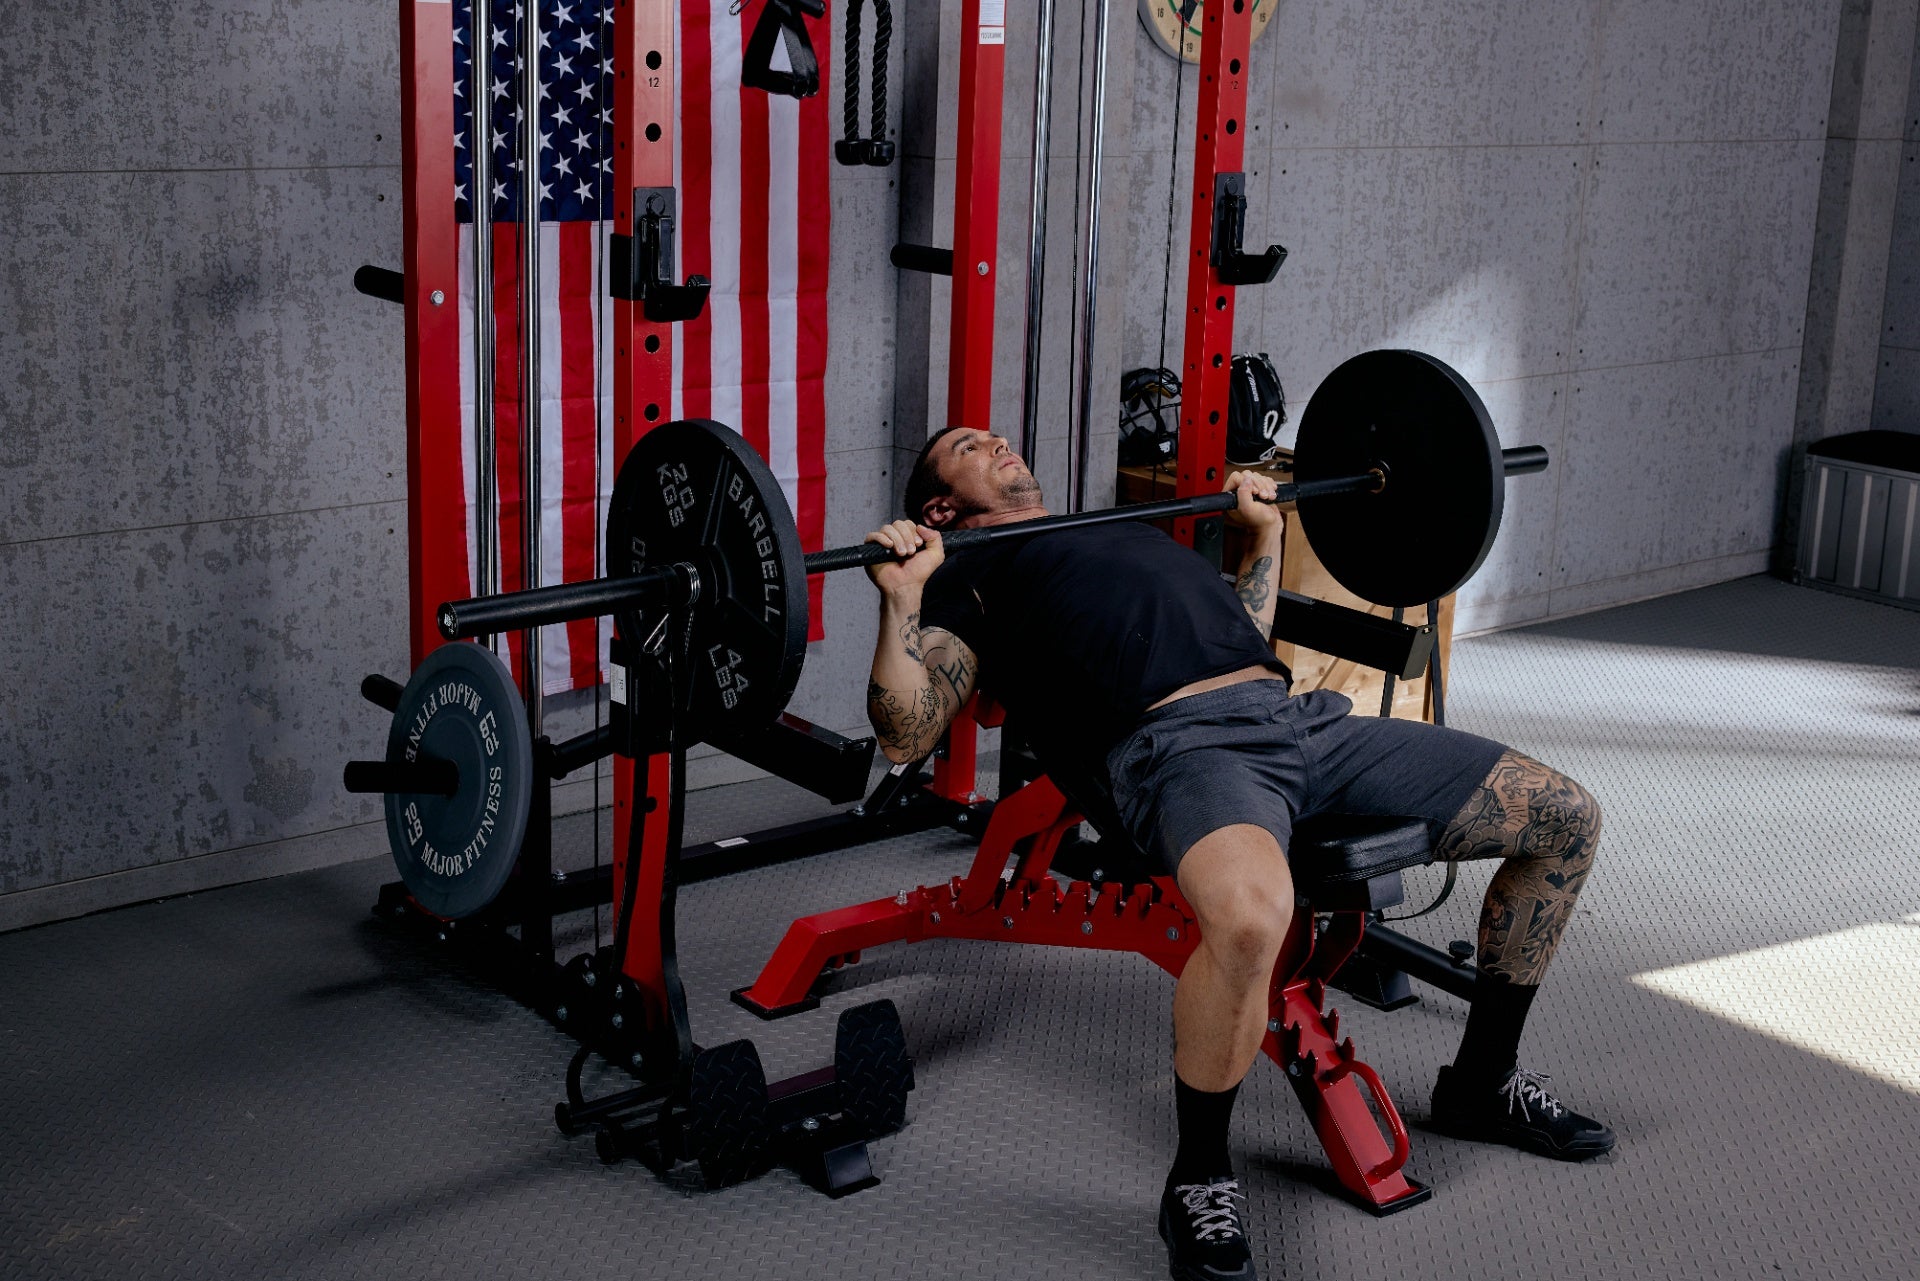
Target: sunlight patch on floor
[(1846, 996)]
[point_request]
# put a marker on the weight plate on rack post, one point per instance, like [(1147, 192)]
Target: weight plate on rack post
[(456, 852), (695, 492), (1434, 520)]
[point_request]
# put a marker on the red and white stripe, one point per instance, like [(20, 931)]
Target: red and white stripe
[(755, 219), (754, 181), (576, 472)]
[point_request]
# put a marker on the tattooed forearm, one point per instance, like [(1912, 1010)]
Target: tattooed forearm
[(910, 635), (884, 709), (921, 678), (1255, 588), (1546, 827), (908, 722)]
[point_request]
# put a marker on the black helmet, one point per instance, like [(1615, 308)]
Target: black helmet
[(1149, 417)]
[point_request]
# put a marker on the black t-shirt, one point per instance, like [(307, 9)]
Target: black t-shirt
[(1079, 631)]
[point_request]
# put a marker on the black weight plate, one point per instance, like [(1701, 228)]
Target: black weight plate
[(1433, 523), (695, 492), (456, 852)]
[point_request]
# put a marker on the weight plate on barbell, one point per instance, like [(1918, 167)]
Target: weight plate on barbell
[(695, 492), (1434, 521), (456, 852)]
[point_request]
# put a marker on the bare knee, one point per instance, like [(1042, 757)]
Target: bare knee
[(1239, 886), (1249, 934)]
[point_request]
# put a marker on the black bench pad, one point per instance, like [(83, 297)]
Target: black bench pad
[(1342, 849)]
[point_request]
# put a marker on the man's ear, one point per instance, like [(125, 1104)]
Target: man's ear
[(939, 513)]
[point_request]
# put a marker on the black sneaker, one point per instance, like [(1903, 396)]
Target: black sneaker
[(1517, 1111), (1202, 1229)]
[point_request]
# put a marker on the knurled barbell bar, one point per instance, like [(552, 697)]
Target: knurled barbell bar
[(680, 584)]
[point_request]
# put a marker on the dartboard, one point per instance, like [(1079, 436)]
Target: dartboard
[(1175, 24)]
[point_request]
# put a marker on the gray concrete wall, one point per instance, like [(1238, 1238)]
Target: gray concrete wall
[(1607, 214), (1601, 213), (1855, 370), (202, 468), (1896, 391), (202, 479)]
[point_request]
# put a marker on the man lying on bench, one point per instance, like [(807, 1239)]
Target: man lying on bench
[(1120, 649)]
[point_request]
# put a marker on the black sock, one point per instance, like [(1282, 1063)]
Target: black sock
[(1203, 1117), (1491, 1046)]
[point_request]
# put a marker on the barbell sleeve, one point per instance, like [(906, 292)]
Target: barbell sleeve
[(424, 776), (672, 585), (382, 691)]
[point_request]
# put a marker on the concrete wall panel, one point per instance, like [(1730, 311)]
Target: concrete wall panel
[(1896, 401), (861, 320), (1358, 73), (1896, 385), (1695, 249), (195, 688), (1723, 70), (1670, 463), (188, 346), (244, 83), (1902, 317)]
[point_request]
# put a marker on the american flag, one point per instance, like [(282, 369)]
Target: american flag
[(754, 218)]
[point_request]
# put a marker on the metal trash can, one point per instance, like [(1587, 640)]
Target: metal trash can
[(1860, 517)]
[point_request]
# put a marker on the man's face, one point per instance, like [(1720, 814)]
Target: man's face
[(983, 474)]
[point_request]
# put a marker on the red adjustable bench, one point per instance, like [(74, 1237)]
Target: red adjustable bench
[(1345, 867)]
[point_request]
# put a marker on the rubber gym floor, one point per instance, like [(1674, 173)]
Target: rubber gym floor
[(262, 1081)]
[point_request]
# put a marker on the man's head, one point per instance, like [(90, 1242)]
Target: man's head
[(963, 473)]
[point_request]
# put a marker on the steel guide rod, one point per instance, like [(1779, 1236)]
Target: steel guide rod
[(480, 204), (1083, 432), (529, 184), (1037, 230)]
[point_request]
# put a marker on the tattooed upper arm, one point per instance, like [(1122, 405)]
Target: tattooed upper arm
[(1255, 589), (952, 668)]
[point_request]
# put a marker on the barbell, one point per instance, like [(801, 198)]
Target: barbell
[(1399, 484)]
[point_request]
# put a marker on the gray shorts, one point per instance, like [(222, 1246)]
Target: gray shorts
[(1251, 753)]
